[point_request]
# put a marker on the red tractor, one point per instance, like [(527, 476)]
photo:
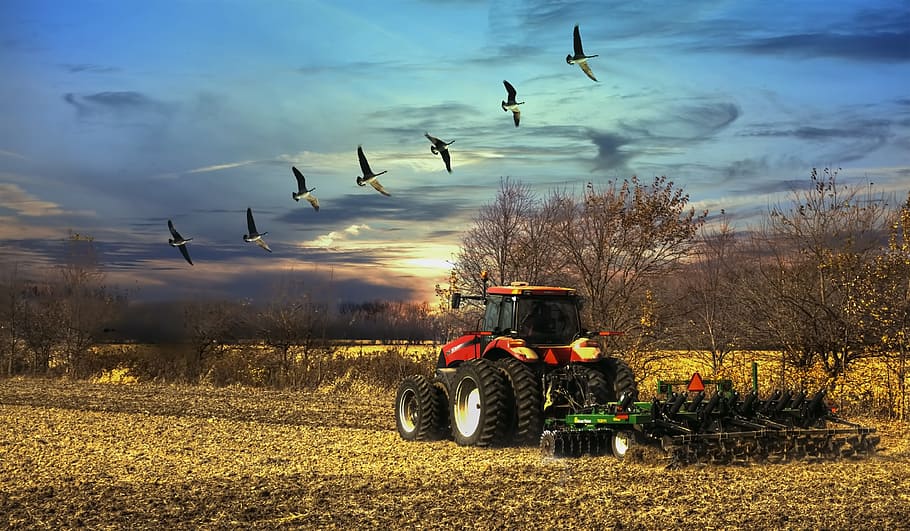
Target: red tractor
[(531, 360)]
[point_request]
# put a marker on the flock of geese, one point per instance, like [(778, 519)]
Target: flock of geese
[(437, 147)]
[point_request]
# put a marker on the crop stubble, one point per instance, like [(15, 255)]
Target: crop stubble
[(77, 454)]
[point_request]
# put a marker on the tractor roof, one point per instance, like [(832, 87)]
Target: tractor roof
[(522, 288)]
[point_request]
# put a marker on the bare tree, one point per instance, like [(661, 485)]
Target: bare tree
[(620, 238), (810, 257), (294, 326), (41, 330), (211, 327), (713, 324), (882, 312), (12, 319), (86, 304), (512, 239)]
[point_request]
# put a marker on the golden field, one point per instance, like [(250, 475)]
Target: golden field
[(141, 456)]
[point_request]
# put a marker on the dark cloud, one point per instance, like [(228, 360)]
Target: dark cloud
[(88, 68), (690, 124), (772, 186), (744, 169), (405, 206), (610, 155), (413, 120), (856, 137), (882, 47), (115, 102)]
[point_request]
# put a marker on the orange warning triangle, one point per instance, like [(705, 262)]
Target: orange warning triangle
[(696, 384), (549, 357)]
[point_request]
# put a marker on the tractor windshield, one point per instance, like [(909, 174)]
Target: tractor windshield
[(547, 320)]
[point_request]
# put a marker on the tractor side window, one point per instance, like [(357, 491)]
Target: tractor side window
[(505, 314), (491, 318)]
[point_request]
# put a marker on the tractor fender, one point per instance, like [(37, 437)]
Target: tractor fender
[(514, 347), (585, 349)]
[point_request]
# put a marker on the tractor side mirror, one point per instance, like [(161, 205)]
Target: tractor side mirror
[(456, 300)]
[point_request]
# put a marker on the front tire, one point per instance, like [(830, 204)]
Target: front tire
[(417, 409), (478, 408)]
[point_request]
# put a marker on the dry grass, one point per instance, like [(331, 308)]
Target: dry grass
[(146, 456)]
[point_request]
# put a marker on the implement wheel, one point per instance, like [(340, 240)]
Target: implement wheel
[(622, 442), (478, 404), (417, 409)]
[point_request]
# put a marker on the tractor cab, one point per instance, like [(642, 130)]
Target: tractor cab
[(539, 315), (528, 323)]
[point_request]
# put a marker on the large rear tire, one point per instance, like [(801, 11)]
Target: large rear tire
[(417, 409), (477, 404), (525, 420), (595, 387), (620, 379)]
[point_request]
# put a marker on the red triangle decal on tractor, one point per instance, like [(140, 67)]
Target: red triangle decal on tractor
[(549, 357)]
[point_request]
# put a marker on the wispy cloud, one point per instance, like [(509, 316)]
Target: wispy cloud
[(15, 198), (329, 240), (225, 166), (12, 154)]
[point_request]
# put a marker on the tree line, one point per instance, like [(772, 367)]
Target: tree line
[(60, 324)]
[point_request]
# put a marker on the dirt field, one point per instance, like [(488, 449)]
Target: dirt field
[(143, 456)]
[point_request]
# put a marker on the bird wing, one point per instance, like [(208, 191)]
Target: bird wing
[(301, 180), (261, 243), (516, 115), (364, 165), (378, 187), (447, 159), (586, 68), (174, 233), (433, 139), (510, 90), (185, 253), (250, 224), (576, 41), (313, 201)]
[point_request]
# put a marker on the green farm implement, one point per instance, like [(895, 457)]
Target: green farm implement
[(728, 427)]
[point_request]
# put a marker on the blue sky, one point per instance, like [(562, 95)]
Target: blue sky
[(119, 115)]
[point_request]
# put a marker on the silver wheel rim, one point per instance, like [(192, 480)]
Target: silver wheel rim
[(407, 411), (622, 441), (467, 407)]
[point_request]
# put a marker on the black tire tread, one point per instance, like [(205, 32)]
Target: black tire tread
[(428, 421), (494, 421), (525, 414)]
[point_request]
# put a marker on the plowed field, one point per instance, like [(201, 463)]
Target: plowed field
[(165, 457)]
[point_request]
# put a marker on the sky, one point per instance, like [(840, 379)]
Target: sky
[(118, 115)]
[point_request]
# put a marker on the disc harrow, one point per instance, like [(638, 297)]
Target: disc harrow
[(724, 428)]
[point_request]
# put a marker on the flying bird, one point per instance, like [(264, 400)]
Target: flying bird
[(440, 147), (580, 58), (254, 236), (368, 175), (302, 190), (179, 241), (510, 104)]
